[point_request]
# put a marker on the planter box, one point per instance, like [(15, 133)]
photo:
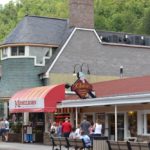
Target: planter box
[(15, 137)]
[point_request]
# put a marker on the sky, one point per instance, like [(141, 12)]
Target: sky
[(4, 1)]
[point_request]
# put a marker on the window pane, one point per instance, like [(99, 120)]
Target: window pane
[(14, 51), (132, 123), (21, 50), (148, 123), (4, 52), (1, 110)]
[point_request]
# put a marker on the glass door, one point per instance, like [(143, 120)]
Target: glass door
[(120, 126), (132, 123)]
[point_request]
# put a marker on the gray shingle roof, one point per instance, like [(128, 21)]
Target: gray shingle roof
[(38, 30), (64, 38)]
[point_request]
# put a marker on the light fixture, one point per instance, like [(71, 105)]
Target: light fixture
[(88, 70), (121, 71)]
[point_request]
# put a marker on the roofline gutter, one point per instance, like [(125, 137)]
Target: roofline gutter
[(114, 100), (28, 44)]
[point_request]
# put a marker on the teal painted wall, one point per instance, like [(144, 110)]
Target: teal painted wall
[(18, 74)]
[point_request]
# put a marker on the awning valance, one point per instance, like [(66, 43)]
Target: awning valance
[(38, 99)]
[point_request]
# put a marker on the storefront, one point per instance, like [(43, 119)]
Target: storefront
[(122, 116), (37, 106)]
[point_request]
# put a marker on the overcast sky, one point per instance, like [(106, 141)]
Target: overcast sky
[(4, 1)]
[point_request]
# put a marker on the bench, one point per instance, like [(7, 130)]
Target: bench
[(59, 142), (68, 143), (78, 144), (126, 145), (118, 145), (139, 145)]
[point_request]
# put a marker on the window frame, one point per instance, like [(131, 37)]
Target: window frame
[(19, 51)]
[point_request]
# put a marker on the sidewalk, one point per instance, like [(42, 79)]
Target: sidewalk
[(23, 146)]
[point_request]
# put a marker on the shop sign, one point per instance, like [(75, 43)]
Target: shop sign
[(18, 103), (82, 87), (21, 104)]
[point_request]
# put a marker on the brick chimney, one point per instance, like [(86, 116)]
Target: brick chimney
[(81, 13)]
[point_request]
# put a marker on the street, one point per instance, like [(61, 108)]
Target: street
[(20, 146)]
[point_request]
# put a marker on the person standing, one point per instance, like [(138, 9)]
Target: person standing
[(6, 129), (29, 133), (53, 130), (97, 128), (66, 128), (59, 129), (85, 125)]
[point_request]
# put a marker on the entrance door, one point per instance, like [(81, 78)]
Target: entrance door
[(120, 126)]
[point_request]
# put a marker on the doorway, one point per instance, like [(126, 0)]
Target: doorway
[(120, 126)]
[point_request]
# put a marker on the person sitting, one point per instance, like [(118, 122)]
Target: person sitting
[(86, 139), (77, 131), (72, 134)]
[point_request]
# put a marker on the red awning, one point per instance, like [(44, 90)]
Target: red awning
[(38, 99)]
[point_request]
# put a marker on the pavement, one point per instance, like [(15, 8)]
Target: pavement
[(23, 146)]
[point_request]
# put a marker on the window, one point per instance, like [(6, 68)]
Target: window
[(132, 123), (21, 50), (14, 51), (148, 123), (4, 52), (18, 51), (1, 110)]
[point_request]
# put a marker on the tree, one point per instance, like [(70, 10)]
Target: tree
[(146, 21)]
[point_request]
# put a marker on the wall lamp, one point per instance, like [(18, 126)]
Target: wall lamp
[(80, 68)]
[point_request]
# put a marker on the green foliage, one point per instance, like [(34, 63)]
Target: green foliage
[(16, 127), (131, 16), (146, 21)]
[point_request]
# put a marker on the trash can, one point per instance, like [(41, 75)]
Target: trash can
[(99, 143)]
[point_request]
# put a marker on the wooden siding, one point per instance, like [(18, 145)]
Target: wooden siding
[(58, 78)]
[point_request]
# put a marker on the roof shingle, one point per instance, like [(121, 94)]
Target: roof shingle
[(38, 30)]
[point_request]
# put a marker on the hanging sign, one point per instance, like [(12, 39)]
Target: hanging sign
[(82, 87)]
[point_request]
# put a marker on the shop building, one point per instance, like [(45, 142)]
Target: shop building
[(43, 51), (121, 105)]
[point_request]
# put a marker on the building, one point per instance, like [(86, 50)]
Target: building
[(45, 51), (122, 105)]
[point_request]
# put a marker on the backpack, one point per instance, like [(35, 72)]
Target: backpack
[(52, 131)]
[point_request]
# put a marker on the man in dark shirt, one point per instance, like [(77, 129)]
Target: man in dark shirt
[(85, 125)]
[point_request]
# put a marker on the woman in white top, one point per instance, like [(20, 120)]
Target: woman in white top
[(53, 129), (97, 128), (77, 131)]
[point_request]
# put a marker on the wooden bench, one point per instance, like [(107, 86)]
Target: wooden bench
[(59, 142), (123, 145), (68, 143), (118, 145), (78, 144), (139, 145)]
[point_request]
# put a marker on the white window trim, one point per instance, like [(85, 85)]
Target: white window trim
[(25, 56), (18, 51), (143, 112)]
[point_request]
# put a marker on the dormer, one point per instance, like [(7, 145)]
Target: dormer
[(39, 54)]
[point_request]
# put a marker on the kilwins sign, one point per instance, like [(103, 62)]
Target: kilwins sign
[(82, 87)]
